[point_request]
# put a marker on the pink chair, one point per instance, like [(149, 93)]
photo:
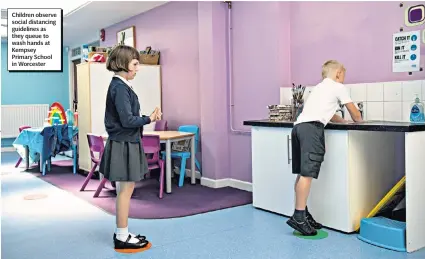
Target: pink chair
[(161, 125), (20, 130), (96, 146), (100, 187), (151, 146)]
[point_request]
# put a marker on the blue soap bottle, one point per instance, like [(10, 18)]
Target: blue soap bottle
[(417, 111)]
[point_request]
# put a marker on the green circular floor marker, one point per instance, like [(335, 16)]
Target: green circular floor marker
[(321, 234)]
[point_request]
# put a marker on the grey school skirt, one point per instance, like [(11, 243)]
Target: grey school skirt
[(123, 161)]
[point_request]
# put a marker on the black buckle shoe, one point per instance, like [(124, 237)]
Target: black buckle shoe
[(312, 222), (138, 237), (126, 247), (303, 227)]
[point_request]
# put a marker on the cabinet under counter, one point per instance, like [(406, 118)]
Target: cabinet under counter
[(362, 163)]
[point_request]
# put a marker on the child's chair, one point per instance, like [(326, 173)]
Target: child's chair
[(20, 130), (151, 146), (100, 187), (161, 125), (96, 146), (186, 154)]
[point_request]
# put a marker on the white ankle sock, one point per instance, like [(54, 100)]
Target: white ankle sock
[(122, 235)]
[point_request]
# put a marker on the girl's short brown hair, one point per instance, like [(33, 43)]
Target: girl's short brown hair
[(120, 57)]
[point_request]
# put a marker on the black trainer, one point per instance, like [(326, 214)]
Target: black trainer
[(312, 222), (303, 227)]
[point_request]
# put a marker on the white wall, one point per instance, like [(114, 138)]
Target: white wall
[(388, 101)]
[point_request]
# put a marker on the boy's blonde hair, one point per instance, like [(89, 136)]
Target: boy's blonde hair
[(330, 67)]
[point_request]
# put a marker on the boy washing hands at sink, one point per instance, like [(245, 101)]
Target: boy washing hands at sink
[(308, 139)]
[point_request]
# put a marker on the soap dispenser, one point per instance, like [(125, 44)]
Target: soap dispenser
[(417, 111)]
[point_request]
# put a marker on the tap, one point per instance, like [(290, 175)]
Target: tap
[(341, 109), (360, 105)]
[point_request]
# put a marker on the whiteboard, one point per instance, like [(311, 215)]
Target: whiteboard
[(147, 85), (100, 78)]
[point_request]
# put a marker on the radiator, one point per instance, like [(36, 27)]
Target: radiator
[(15, 116)]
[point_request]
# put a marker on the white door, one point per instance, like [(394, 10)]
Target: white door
[(272, 178)]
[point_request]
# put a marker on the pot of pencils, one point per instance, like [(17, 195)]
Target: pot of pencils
[(297, 100)]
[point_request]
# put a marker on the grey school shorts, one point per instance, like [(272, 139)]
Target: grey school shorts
[(308, 148)]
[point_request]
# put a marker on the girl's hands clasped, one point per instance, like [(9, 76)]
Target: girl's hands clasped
[(156, 115)]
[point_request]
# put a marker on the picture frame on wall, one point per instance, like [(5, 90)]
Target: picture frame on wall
[(127, 37)]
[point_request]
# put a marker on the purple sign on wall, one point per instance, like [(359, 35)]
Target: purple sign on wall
[(416, 15)]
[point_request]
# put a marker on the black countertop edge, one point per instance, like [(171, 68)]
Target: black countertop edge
[(390, 126)]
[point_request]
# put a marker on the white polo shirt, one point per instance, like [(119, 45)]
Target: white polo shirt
[(322, 102)]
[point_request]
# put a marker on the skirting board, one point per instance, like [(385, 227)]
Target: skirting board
[(227, 182), (220, 183)]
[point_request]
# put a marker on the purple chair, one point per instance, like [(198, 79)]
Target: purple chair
[(152, 148), (96, 146), (161, 125), (20, 130), (100, 187)]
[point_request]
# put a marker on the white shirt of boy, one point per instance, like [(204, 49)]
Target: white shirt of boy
[(322, 102)]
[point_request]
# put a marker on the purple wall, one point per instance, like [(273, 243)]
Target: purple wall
[(212, 90), (284, 42), (359, 34), (261, 65)]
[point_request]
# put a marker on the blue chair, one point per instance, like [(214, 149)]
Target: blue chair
[(185, 155)]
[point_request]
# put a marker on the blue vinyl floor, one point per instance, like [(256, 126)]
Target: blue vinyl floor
[(62, 226)]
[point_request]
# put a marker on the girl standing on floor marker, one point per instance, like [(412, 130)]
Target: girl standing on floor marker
[(124, 160)]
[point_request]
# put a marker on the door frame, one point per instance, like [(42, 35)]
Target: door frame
[(72, 82), (74, 62)]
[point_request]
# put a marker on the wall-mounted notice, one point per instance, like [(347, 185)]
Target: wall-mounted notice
[(406, 51), (34, 40)]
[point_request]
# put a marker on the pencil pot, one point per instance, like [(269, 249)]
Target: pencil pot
[(297, 108)]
